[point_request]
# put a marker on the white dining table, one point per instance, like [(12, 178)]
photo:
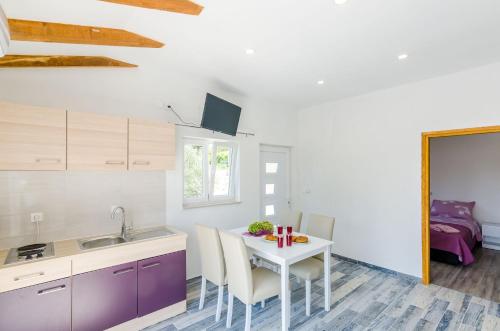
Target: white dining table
[(286, 256)]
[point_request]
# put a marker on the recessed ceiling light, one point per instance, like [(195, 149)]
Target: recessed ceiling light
[(402, 57), (250, 51), (340, 2), (321, 82)]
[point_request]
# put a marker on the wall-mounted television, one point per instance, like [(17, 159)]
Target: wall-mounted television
[(220, 115)]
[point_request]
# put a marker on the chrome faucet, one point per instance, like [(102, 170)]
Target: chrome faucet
[(115, 211)]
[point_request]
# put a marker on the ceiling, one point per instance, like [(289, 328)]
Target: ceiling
[(352, 47)]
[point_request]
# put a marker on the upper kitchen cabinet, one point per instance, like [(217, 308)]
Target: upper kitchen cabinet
[(151, 145), (32, 138), (96, 142)]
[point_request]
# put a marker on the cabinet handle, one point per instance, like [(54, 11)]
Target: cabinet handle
[(142, 163), (123, 271), (36, 274), (110, 162), (52, 290), (152, 265), (48, 160)]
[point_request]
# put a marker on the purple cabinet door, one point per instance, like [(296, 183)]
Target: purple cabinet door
[(105, 298), (44, 307), (162, 282)]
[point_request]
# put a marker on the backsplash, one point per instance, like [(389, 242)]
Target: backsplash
[(76, 204)]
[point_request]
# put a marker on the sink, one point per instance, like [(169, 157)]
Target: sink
[(101, 242)]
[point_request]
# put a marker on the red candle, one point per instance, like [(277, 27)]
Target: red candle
[(280, 240), (280, 229), (289, 239), (289, 229)]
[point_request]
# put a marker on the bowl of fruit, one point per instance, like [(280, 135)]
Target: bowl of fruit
[(260, 228)]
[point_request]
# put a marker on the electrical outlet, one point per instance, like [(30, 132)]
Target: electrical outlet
[(37, 217)]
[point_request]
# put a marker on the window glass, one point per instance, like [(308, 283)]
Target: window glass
[(222, 177), (271, 168), (193, 171), (269, 189), (270, 210)]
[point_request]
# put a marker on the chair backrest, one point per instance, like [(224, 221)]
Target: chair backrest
[(239, 272), (321, 226), (212, 257), (293, 218)]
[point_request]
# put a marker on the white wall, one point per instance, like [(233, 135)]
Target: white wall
[(360, 160), (467, 168), (136, 92)]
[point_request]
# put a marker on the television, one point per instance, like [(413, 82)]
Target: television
[(220, 115)]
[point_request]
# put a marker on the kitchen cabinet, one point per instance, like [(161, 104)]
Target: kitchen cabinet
[(104, 298), (32, 138), (43, 307), (161, 282), (97, 142), (151, 145)]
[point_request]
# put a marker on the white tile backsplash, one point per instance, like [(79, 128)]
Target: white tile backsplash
[(76, 204)]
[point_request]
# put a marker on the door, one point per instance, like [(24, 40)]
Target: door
[(44, 307), (274, 182), (162, 282), (105, 298), (97, 142), (151, 145), (32, 138)]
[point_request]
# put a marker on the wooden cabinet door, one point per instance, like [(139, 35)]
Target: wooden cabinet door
[(97, 142), (162, 282), (105, 298), (151, 145), (32, 138), (44, 307)]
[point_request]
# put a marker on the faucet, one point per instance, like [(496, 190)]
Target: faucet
[(115, 211)]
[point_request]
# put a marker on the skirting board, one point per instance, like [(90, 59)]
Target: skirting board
[(153, 318)]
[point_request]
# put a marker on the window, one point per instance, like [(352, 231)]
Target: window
[(210, 172)]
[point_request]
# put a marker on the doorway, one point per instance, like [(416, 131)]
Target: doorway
[(426, 194), (274, 182)]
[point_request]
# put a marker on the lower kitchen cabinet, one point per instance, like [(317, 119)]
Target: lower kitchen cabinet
[(161, 282), (105, 298), (43, 307)]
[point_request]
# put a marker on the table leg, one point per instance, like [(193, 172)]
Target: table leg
[(285, 298), (328, 283)]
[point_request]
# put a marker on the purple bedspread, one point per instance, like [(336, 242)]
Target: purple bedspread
[(460, 244)]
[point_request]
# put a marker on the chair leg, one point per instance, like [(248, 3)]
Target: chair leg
[(263, 303), (308, 297), (229, 310), (248, 317), (219, 303), (202, 292)]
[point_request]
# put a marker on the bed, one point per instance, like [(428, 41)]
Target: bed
[(454, 232)]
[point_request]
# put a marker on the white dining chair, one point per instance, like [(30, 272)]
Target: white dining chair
[(312, 268), (213, 267), (249, 286), (293, 218)]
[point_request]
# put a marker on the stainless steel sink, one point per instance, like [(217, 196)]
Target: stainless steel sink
[(101, 242), (106, 241)]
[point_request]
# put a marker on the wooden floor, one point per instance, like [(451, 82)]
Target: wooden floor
[(363, 298), (481, 279)]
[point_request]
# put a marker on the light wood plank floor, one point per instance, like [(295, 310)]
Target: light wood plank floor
[(481, 279), (363, 299)]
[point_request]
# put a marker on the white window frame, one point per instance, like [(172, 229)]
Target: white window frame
[(208, 197)]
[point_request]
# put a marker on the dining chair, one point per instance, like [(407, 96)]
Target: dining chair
[(293, 218), (249, 285), (213, 268), (312, 268)]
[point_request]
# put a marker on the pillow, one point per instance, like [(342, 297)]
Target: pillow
[(450, 208)]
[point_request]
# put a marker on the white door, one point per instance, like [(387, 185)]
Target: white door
[(274, 182)]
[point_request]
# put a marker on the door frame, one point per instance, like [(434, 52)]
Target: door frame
[(289, 172), (426, 139)]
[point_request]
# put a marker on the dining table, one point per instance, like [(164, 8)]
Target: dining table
[(285, 257)]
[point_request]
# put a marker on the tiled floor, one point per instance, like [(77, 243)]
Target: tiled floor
[(363, 299)]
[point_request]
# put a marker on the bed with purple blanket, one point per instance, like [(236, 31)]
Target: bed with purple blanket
[(454, 232)]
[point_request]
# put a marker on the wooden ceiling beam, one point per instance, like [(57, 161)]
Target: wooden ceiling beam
[(49, 61), (176, 6), (77, 34)]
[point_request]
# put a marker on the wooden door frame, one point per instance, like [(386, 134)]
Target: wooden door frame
[(426, 137)]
